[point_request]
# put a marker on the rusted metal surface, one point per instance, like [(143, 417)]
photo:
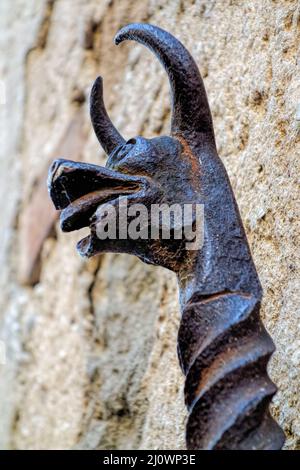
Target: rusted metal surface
[(223, 347)]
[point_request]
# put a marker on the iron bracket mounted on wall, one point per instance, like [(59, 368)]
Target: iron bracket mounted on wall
[(223, 347)]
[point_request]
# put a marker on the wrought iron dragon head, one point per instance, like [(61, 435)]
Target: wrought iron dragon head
[(223, 347)]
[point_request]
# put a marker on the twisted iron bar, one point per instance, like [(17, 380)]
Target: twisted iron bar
[(223, 350)]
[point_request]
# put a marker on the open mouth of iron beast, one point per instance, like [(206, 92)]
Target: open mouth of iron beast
[(77, 189)]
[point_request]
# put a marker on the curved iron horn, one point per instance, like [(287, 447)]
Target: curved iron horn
[(105, 131), (190, 109)]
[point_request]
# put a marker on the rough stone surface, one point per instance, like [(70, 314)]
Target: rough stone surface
[(91, 347)]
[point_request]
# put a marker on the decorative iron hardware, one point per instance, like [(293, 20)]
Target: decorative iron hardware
[(223, 347)]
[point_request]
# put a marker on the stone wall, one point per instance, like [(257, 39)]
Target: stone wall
[(91, 345)]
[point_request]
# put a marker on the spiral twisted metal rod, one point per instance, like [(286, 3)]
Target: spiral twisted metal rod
[(224, 350)]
